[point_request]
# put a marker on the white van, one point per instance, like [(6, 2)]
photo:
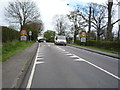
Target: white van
[(61, 40)]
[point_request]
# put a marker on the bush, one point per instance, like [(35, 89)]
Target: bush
[(9, 35), (109, 45)]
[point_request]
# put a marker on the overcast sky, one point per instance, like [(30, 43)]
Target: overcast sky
[(48, 9)]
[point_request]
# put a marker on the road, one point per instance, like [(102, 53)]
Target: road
[(70, 67)]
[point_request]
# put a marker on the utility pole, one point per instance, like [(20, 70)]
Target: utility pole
[(119, 21)]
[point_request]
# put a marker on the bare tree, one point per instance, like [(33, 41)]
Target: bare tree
[(21, 12), (86, 14), (76, 19), (99, 18), (110, 24), (61, 24)]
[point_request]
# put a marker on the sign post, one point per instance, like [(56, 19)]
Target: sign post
[(30, 34), (83, 37)]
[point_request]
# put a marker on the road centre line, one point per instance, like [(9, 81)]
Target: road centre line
[(33, 69)]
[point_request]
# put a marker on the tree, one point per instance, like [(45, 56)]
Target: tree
[(61, 24), (99, 18), (21, 12), (86, 14), (49, 35), (36, 27), (76, 20), (110, 24)]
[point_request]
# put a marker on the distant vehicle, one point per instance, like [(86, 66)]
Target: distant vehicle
[(40, 39), (60, 40)]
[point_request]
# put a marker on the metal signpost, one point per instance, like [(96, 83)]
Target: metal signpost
[(30, 34)]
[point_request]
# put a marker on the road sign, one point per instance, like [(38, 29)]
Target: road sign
[(30, 33), (23, 38), (83, 34), (83, 39), (23, 32)]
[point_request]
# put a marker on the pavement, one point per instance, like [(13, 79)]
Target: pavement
[(97, 51), (13, 70)]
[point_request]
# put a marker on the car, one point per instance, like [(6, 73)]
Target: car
[(60, 40), (40, 39)]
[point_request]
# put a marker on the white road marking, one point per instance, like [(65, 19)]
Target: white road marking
[(33, 69), (103, 70), (74, 56), (49, 45), (69, 54), (39, 62), (66, 52), (61, 49), (80, 59)]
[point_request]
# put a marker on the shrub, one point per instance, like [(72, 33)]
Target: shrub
[(8, 35), (109, 45)]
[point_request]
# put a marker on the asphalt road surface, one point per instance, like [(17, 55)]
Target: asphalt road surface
[(69, 67)]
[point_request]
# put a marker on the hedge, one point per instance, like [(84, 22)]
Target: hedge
[(109, 45), (9, 34)]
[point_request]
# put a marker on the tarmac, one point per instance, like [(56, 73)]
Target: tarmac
[(14, 69)]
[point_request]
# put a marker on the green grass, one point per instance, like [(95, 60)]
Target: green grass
[(12, 48), (0, 52), (100, 49)]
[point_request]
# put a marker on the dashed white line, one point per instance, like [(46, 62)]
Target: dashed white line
[(74, 56), (69, 54), (66, 52), (39, 62), (33, 69), (79, 59)]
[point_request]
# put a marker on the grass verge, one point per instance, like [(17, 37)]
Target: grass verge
[(12, 48), (100, 49)]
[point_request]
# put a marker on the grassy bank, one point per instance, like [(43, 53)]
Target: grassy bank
[(12, 48), (100, 49), (0, 52)]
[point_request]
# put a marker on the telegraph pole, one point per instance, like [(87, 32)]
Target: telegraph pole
[(119, 21)]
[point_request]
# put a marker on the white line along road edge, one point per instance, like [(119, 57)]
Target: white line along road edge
[(81, 59), (33, 69)]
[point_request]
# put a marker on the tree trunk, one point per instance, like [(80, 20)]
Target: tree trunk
[(110, 26), (119, 33), (89, 27), (75, 34)]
